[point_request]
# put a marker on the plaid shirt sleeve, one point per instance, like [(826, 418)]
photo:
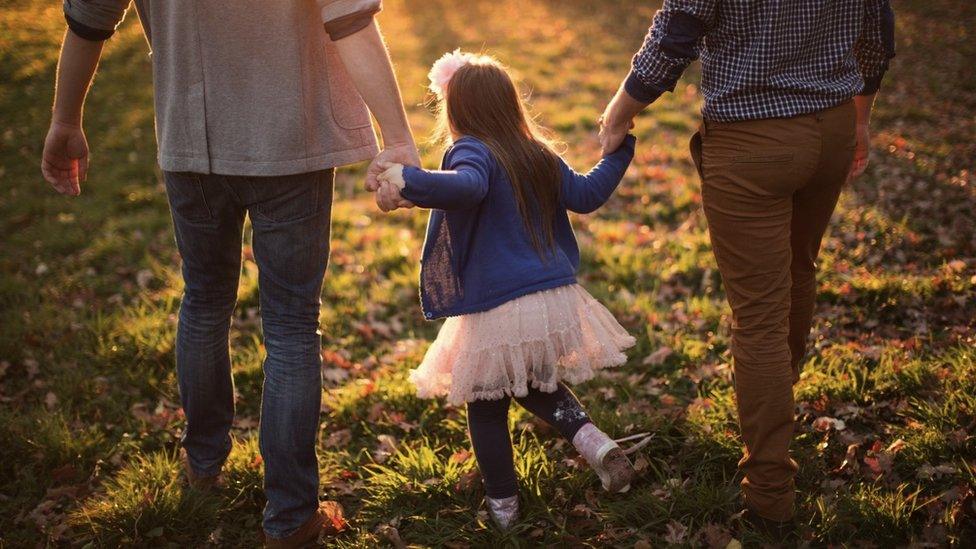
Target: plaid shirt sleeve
[(94, 20), (876, 44), (672, 43)]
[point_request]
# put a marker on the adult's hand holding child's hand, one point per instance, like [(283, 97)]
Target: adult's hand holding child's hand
[(403, 154), (618, 120)]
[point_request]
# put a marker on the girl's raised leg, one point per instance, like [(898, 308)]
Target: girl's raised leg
[(563, 411), (560, 409)]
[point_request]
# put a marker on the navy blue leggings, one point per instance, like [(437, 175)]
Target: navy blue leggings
[(488, 426)]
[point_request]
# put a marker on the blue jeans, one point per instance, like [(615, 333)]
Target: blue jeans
[(291, 218)]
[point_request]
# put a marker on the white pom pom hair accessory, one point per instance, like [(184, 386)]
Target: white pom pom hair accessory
[(444, 68)]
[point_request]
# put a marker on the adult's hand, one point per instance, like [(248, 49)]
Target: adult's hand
[(405, 154), (612, 133), (862, 151), (64, 161), (388, 197), (617, 120), (862, 125)]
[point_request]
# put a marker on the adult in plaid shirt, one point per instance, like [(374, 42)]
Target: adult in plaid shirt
[(788, 88)]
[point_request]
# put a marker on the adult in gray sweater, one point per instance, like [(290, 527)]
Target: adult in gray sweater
[(256, 104)]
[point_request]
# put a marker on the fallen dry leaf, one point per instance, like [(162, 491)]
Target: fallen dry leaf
[(850, 458), (715, 535), (338, 439), (658, 357), (385, 448), (335, 518), (676, 533), (392, 535), (33, 368), (468, 481), (825, 423)]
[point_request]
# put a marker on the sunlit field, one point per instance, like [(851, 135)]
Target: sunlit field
[(89, 290)]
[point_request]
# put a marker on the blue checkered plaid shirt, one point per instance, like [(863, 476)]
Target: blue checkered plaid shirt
[(766, 58)]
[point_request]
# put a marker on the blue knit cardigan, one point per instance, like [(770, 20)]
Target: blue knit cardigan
[(478, 253)]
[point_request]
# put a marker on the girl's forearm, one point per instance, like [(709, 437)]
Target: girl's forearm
[(445, 190), (76, 67), (586, 193)]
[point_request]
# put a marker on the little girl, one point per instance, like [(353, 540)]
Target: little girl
[(499, 261)]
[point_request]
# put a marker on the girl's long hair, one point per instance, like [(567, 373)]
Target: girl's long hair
[(482, 101)]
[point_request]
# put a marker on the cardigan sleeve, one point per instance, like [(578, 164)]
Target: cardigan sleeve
[(462, 185), (586, 193)]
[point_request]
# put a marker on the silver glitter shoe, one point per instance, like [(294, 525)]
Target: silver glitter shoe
[(505, 511), (605, 457), (615, 471)]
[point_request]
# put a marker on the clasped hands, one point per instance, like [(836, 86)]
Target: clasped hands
[(388, 197), (385, 181)]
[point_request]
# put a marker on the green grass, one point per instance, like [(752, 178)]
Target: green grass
[(89, 289)]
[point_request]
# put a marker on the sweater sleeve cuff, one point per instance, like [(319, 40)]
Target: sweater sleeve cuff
[(88, 33), (871, 84), (627, 148), (410, 189), (639, 90), (348, 25)]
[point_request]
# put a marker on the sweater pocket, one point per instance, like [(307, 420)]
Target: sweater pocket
[(348, 108)]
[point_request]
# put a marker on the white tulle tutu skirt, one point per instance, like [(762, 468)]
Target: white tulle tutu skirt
[(537, 340)]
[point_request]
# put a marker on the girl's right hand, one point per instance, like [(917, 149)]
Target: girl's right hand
[(391, 181), (392, 173)]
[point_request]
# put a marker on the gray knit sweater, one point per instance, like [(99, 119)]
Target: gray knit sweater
[(247, 87)]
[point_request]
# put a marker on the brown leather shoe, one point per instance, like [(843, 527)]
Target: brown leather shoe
[(197, 482), (328, 520)]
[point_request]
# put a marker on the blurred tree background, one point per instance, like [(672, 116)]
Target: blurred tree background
[(89, 289)]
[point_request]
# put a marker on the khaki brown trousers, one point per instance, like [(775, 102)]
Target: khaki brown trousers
[(769, 188)]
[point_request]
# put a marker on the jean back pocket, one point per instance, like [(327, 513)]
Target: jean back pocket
[(187, 196)]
